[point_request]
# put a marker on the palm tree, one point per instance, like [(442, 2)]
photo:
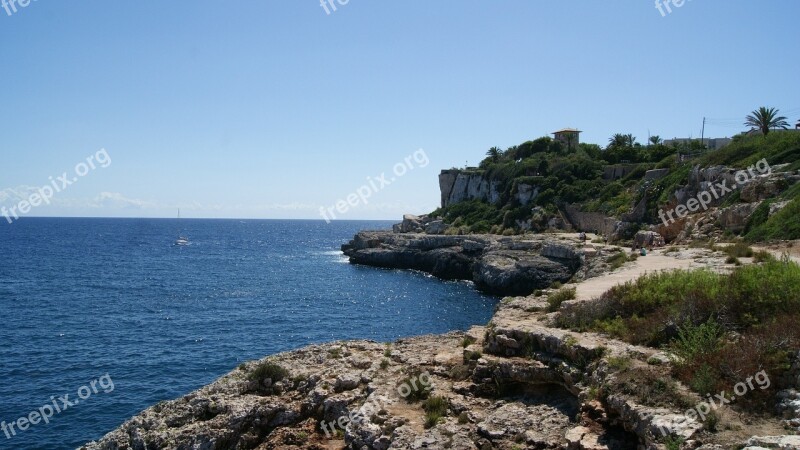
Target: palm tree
[(494, 153), (656, 140), (765, 119), (618, 140), (630, 140)]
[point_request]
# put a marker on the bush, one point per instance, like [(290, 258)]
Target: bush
[(739, 250), (757, 302), (696, 342), (783, 225), (268, 370), (555, 299), (435, 408), (763, 256), (617, 260)]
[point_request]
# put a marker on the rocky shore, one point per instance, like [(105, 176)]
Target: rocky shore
[(516, 383), (513, 265)]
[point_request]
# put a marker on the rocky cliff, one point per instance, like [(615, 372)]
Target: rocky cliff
[(498, 265)]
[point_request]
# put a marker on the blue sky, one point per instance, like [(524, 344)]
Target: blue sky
[(273, 109)]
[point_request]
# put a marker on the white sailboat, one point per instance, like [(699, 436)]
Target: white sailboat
[(182, 240)]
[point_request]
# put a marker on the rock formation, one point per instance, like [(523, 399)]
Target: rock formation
[(499, 265)]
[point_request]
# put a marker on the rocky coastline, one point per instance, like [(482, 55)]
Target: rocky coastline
[(511, 265), (516, 383)]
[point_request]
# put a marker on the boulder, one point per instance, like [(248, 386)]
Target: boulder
[(436, 227), (648, 239), (411, 224)]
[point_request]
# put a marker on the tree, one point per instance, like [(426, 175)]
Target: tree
[(765, 119), (618, 140), (656, 140), (494, 153)]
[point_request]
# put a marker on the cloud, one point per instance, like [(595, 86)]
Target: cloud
[(115, 200)]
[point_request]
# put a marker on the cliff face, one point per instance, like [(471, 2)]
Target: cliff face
[(458, 186)]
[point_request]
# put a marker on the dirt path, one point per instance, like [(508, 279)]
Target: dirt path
[(653, 262)]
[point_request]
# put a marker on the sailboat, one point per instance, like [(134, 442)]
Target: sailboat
[(182, 240)]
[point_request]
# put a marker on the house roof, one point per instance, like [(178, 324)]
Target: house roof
[(567, 130)]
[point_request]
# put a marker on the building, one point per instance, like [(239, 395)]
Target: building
[(570, 137), (710, 143)]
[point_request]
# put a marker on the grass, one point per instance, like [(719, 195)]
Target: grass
[(435, 409), (620, 258), (730, 325), (470, 355), (762, 256), (417, 390), (555, 299), (738, 250), (619, 363)]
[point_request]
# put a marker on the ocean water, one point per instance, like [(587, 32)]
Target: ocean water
[(90, 303)]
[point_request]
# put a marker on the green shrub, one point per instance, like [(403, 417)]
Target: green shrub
[(619, 363), (783, 225), (416, 389), (268, 370), (738, 250), (695, 342), (555, 299), (435, 408), (763, 256), (617, 260)]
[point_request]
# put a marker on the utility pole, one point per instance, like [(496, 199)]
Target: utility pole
[(703, 133)]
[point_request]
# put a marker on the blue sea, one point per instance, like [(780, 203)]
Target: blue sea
[(87, 303)]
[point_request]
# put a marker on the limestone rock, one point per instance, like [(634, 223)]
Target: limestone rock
[(734, 218)]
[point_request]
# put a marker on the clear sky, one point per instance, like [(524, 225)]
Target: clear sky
[(273, 109)]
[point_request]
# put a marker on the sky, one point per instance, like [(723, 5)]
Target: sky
[(277, 108)]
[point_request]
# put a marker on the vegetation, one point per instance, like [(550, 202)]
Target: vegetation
[(561, 174), (268, 370), (730, 326), (765, 119), (416, 389), (555, 299), (435, 408)]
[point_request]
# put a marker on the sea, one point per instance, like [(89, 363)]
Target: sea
[(102, 318)]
